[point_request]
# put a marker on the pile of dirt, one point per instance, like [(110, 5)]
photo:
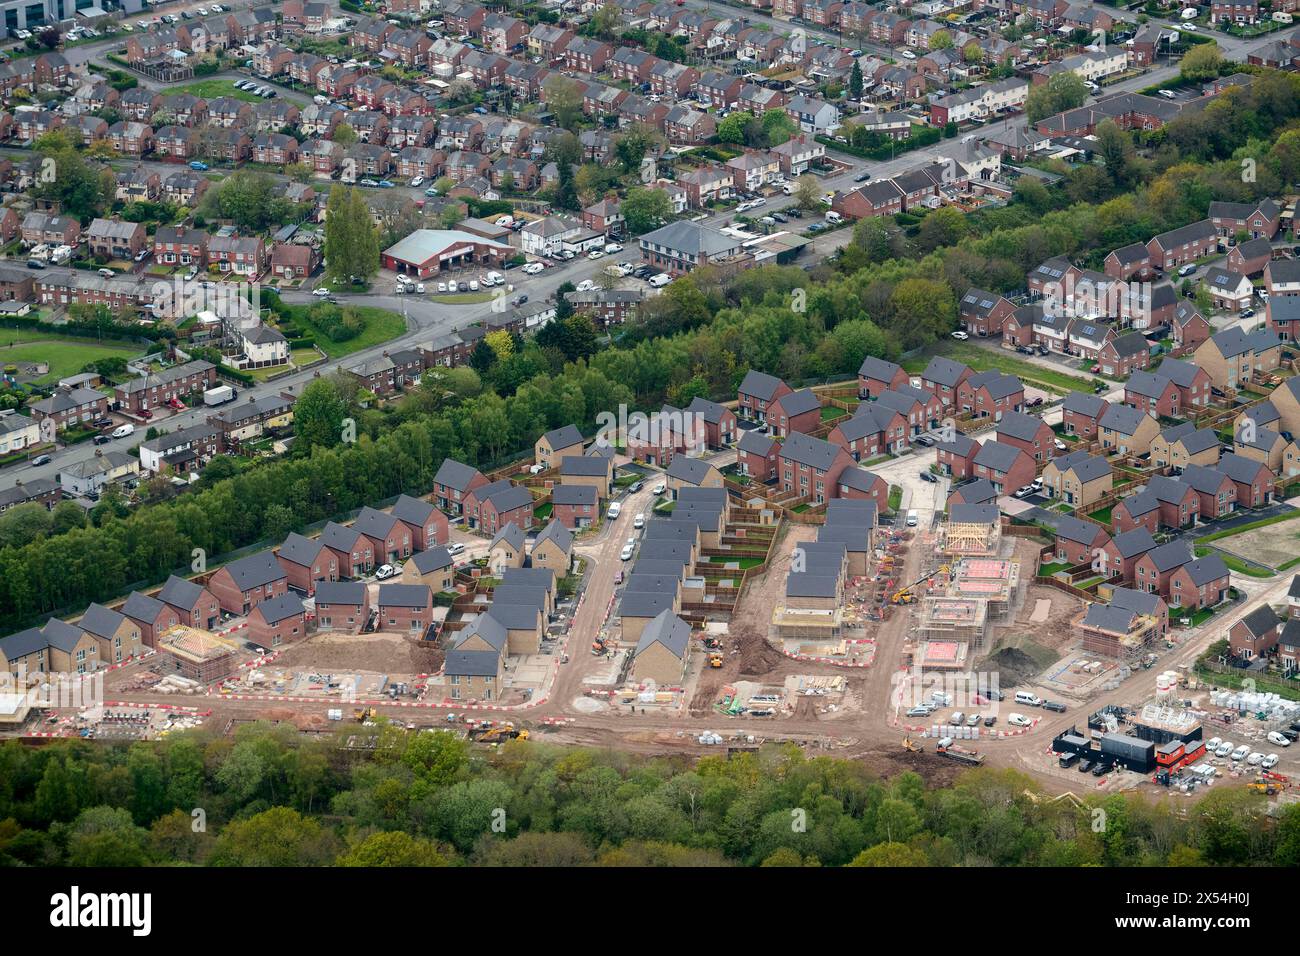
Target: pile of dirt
[(1012, 665), (887, 762)]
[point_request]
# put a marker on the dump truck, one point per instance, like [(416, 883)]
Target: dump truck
[(219, 395)]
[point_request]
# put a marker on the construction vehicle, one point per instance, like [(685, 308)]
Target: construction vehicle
[(1267, 787), (958, 752), (910, 747), (487, 735), (715, 660), (600, 646), (907, 593), (363, 714)]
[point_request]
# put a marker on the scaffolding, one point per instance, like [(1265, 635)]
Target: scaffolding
[(1128, 647), (197, 654), (959, 620)]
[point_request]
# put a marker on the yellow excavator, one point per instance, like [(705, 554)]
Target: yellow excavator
[(364, 714), (907, 593), (715, 659), (495, 734), (1268, 787), (911, 747)]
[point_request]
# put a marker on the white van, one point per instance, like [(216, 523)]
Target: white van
[(615, 509), (121, 431), (1028, 699), (834, 217), (787, 188), (912, 519), (1280, 739), (660, 280)]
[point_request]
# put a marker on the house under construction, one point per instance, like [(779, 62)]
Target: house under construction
[(1118, 633), (991, 580), (197, 654), (959, 620), (971, 531), (944, 655)]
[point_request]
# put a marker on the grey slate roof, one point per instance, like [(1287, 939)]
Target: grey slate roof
[(759, 384), (472, 664), (101, 621), (815, 583), (564, 436), (300, 550), (142, 607), (255, 571), (404, 595), (1122, 419), (454, 474), (340, 592), (1130, 544), (978, 491), (943, 371), (1076, 529), (997, 455), (800, 402), (806, 450), (277, 609), (691, 470), (558, 534), (1143, 602), (179, 592), (878, 369), (433, 559), (415, 511), (1111, 619), (1209, 568), (645, 603), (535, 577), (575, 495), (512, 535), (584, 466), (487, 627), (1240, 468), (1172, 555), (1019, 425), (669, 630), (1087, 467), (754, 442)]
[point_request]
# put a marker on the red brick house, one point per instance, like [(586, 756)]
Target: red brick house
[(1255, 635), (575, 506), (1081, 412), (1200, 583), (756, 455), (355, 552), (307, 561), (811, 467), (1186, 244), (1006, 466), (194, 604), (277, 621), (1122, 551), (983, 313), (429, 526), (991, 394), (799, 411), (1029, 433), (491, 507), (757, 392), (452, 485), (404, 608), (876, 375), (957, 457), (943, 378), (243, 584), (1078, 541)]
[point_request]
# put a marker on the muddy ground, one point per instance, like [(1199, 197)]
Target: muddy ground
[(379, 653)]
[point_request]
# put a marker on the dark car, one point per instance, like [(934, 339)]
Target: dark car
[(862, 179), (102, 423), (1036, 402), (1067, 760), (41, 460), (1025, 350), (1101, 769), (990, 720), (994, 695), (926, 476), (795, 212), (780, 217), (1085, 766), (1054, 705), (103, 439)]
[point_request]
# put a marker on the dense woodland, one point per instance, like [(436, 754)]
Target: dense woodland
[(269, 797), (894, 287)]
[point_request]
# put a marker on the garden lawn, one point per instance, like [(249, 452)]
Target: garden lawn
[(381, 326), (981, 359), (211, 89), (67, 356), (743, 563)]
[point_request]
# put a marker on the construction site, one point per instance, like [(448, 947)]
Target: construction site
[(197, 655)]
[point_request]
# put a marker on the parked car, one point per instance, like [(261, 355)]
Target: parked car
[(103, 439), (921, 711), (1240, 753), (1269, 762), (926, 476), (1085, 766), (990, 720), (1019, 720), (626, 553), (1054, 705), (639, 521), (1254, 759), (384, 571), (659, 488), (1224, 749), (925, 440), (121, 431), (1024, 492), (960, 335)]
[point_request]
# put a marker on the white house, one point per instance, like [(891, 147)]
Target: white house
[(813, 115), (89, 476), (17, 432), (545, 237)]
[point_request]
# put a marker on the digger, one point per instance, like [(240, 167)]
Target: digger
[(907, 594), (911, 747), (715, 659)]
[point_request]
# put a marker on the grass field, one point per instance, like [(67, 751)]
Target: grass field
[(982, 359), (67, 356), (211, 89), (381, 326)]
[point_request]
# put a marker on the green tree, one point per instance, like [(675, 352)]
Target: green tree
[(563, 97), (732, 129), (645, 208), (277, 837), (1064, 91), (351, 239), (318, 416), (393, 849), (1202, 62), (855, 81)]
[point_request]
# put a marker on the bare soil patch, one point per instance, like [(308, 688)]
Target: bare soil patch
[(379, 653), (1273, 544)]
